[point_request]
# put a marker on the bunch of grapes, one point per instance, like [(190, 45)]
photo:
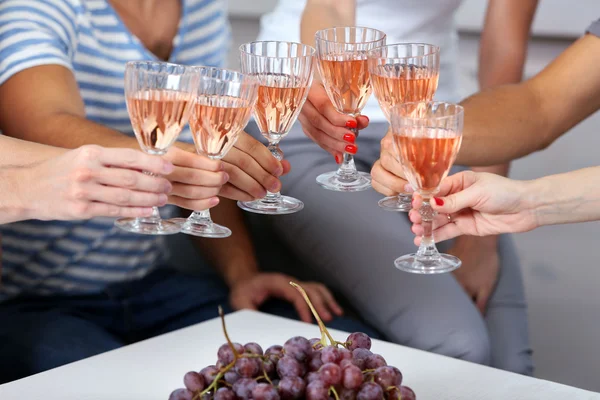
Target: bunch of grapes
[(300, 369)]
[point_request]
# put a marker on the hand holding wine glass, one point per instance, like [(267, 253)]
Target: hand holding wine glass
[(427, 137), (478, 204)]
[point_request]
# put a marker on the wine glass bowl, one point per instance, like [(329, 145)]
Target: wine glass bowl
[(159, 99), (223, 106), (427, 137), (284, 71), (402, 73), (343, 66)]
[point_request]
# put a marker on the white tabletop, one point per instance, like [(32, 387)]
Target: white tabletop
[(151, 369)]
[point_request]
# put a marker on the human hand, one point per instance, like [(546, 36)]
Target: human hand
[(478, 274), (251, 293), (328, 128), (387, 173), (93, 181), (479, 204)]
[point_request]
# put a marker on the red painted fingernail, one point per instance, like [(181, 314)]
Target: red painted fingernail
[(338, 159), (368, 120), (351, 149), (439, 202), (350, 138), (351, 124)]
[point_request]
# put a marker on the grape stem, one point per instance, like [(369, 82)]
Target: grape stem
[(324, 331), (236, 355), (335, 394)]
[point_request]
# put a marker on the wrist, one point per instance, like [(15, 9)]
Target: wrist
[(235, 276), (16, 203), (533, 197)]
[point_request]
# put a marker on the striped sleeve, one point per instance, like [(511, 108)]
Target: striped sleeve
[(36, 32), (594, 29)]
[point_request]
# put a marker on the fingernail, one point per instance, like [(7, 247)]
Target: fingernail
[(222, 166), (162, 199), (225, 177), (213, 201), (408, 188), (167, 187), (351, 149), (350, 138), (338, 159), (168, 167), (368, 120), (438, 201), (274, 187), (279, 171), (351, 124)]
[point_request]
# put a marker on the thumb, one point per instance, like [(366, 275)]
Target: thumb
[(455, 202), (482, 300)]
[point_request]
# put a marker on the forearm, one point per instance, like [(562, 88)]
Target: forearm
[(20, 152), (323, 14), (566, 198), (14, 199), (234, 256)]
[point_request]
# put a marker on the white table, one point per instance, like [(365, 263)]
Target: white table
[(150, 370)]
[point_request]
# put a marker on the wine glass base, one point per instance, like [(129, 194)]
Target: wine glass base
[(395, 203), (212, 230), (427, 265), (332, 181), (162, 227), (286, 205)]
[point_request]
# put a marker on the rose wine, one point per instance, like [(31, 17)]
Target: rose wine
[(216, 122), (427, 159), (402, 84), (280, 99), (347, 82), (157, 117)]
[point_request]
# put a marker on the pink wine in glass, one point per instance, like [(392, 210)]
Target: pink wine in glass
[(216, 122), (347, 82), (278, 105), (157, 117), (427, 160)]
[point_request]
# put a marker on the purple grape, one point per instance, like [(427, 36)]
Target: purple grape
[(393, 393), (193, 381), (274, 353), (358, 340), (181, 394), (316, 343), (359, 356), (388, 376), (265, 391), (312, 376), (407, 393), (231, 377), (247, 367), (370, 391), (299, 341), (315, 362), (298, 347), (209, 373), (347, 394), (253, 348), (289, 366), (375, 361), (331, 374), (291, 388), (225, 354), (207, 396), (243, 388), (331, 354), (224, 394), (346, 354), (352, 377), (269, 367), (347, 363), (316, 390)]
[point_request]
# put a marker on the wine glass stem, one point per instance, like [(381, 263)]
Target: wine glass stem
[(199, 218), (154, 218), (347, 171), (427, 248), (274, 197)]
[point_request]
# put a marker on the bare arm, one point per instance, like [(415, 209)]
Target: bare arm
[(20, 152), (513, 121), (322, 14)]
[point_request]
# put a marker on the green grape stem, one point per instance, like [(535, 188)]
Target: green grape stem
[(324, 331), (235, 353), (335, 394)]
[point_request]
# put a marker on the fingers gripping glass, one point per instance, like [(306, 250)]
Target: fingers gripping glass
[(284, 71), (222, 108), (402, 73), (427, 137), (159, 101), (342, 54)]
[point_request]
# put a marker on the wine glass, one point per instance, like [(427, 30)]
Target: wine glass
[(427, 137), (222, 109), (342, 54), (159, 98), (285, 71), (402, 73)]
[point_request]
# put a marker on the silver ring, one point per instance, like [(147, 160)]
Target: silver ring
[(449, 217)]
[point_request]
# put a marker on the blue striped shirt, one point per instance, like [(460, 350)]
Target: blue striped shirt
[(89, 38)]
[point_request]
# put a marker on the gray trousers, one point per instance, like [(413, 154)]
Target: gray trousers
[(350, 244)]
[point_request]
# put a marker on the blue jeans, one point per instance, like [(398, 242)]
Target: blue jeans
[(40, 333)]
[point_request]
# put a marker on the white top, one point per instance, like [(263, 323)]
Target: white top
[(151, 369), (430, 21)]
